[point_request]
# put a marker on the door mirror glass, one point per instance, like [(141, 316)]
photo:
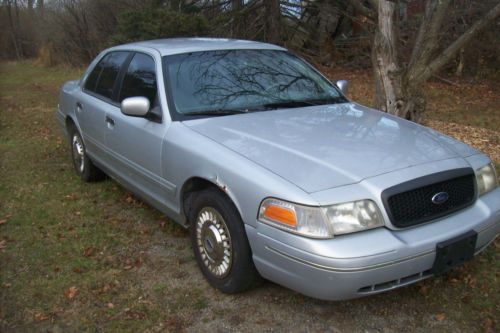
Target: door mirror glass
[(135, 106), (343, 86)]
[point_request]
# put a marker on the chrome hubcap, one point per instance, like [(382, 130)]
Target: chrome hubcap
[(214, 242), (78, 153)]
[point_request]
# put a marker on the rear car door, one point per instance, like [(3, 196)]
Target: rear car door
[(135, 143), (95, 100)]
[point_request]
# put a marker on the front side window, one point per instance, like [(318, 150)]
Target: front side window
[(243, 80), (102, 78), (140, 79)]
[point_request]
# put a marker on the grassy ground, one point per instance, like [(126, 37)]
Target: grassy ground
[(89, 257)]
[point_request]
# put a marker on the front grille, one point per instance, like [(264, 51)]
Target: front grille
[(411, 203)]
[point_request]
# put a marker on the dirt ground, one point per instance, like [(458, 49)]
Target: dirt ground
[(90, 257)]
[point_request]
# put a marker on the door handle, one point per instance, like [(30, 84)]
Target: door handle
[(110, 121), (79, 107)]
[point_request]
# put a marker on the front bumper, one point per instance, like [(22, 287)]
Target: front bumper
[(368, 262)]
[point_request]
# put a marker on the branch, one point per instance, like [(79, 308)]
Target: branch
[(427, 39), (453, 49), (363, 10)]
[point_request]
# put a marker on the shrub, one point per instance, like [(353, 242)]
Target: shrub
[(158, 23)]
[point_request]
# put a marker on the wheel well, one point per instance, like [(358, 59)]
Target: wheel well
[(191, 186), (70, 124)]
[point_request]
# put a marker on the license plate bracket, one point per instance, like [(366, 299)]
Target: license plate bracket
[(454, 252)]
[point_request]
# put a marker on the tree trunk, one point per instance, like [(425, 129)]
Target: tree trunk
[(237, 23), (273, 17), (13, 33), (393, 93), (399, 89), (40, 8), (461, 63)]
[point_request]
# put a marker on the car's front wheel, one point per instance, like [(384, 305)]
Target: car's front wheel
[(83, 165), (220, 243)]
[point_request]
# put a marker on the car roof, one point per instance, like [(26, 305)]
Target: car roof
[(171, 46)]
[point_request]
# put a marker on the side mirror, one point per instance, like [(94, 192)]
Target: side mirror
[(135, 106), (343, 86)]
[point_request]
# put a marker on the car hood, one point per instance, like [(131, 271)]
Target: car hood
[(326, 146)]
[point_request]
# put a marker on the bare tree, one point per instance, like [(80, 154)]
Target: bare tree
[(14, 31), (399, 86), (237, 27), (273, 21)]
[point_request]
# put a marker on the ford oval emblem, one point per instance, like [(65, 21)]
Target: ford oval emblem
[(440, 198)]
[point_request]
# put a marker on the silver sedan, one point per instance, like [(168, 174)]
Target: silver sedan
[(276, 173)]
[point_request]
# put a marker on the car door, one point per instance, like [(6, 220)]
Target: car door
[(135, 143), (95, 100)]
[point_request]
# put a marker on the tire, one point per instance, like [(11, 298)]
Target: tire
[(83, 165), (220, 243)]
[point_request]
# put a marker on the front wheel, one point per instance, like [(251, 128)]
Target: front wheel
[(83, 165), (220, 244)]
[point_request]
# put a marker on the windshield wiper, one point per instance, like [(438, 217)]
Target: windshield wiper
[(303, 103), (217, 112), (287, 104)]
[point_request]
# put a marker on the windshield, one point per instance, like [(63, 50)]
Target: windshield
[(237, 81)]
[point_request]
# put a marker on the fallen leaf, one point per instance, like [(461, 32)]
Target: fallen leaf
[(77, 270), (440, 317), (488, 325), (135, 314), (40, 316), (3, 222), (127, 267), (466, 298), (71, 197), (424, 290), (104, 289), (130, 199), (138, 262), (2, 244), (470, 281), (88, 251), (71, 292)]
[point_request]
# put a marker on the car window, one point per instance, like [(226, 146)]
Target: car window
[(241, 80), (93, 76), (140, 79), (110, 68)]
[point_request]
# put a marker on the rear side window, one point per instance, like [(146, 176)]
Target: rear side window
[(93, 76), (140, 79)]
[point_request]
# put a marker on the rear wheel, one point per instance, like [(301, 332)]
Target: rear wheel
[(83, 165), (220, 244)]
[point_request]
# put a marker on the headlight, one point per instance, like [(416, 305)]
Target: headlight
[(321, 222), (353, 216), (304, 220), (486, 179)]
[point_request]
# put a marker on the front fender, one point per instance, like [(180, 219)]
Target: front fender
[(189, 154)]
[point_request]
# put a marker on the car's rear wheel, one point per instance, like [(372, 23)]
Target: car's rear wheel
[(83, 165), (220, 243)]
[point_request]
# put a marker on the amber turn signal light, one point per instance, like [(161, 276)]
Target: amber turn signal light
[(281, 215)]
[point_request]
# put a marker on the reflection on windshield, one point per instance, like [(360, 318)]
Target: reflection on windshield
[(202, 82)]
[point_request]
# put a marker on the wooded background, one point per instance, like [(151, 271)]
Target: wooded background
[(405, 43)]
